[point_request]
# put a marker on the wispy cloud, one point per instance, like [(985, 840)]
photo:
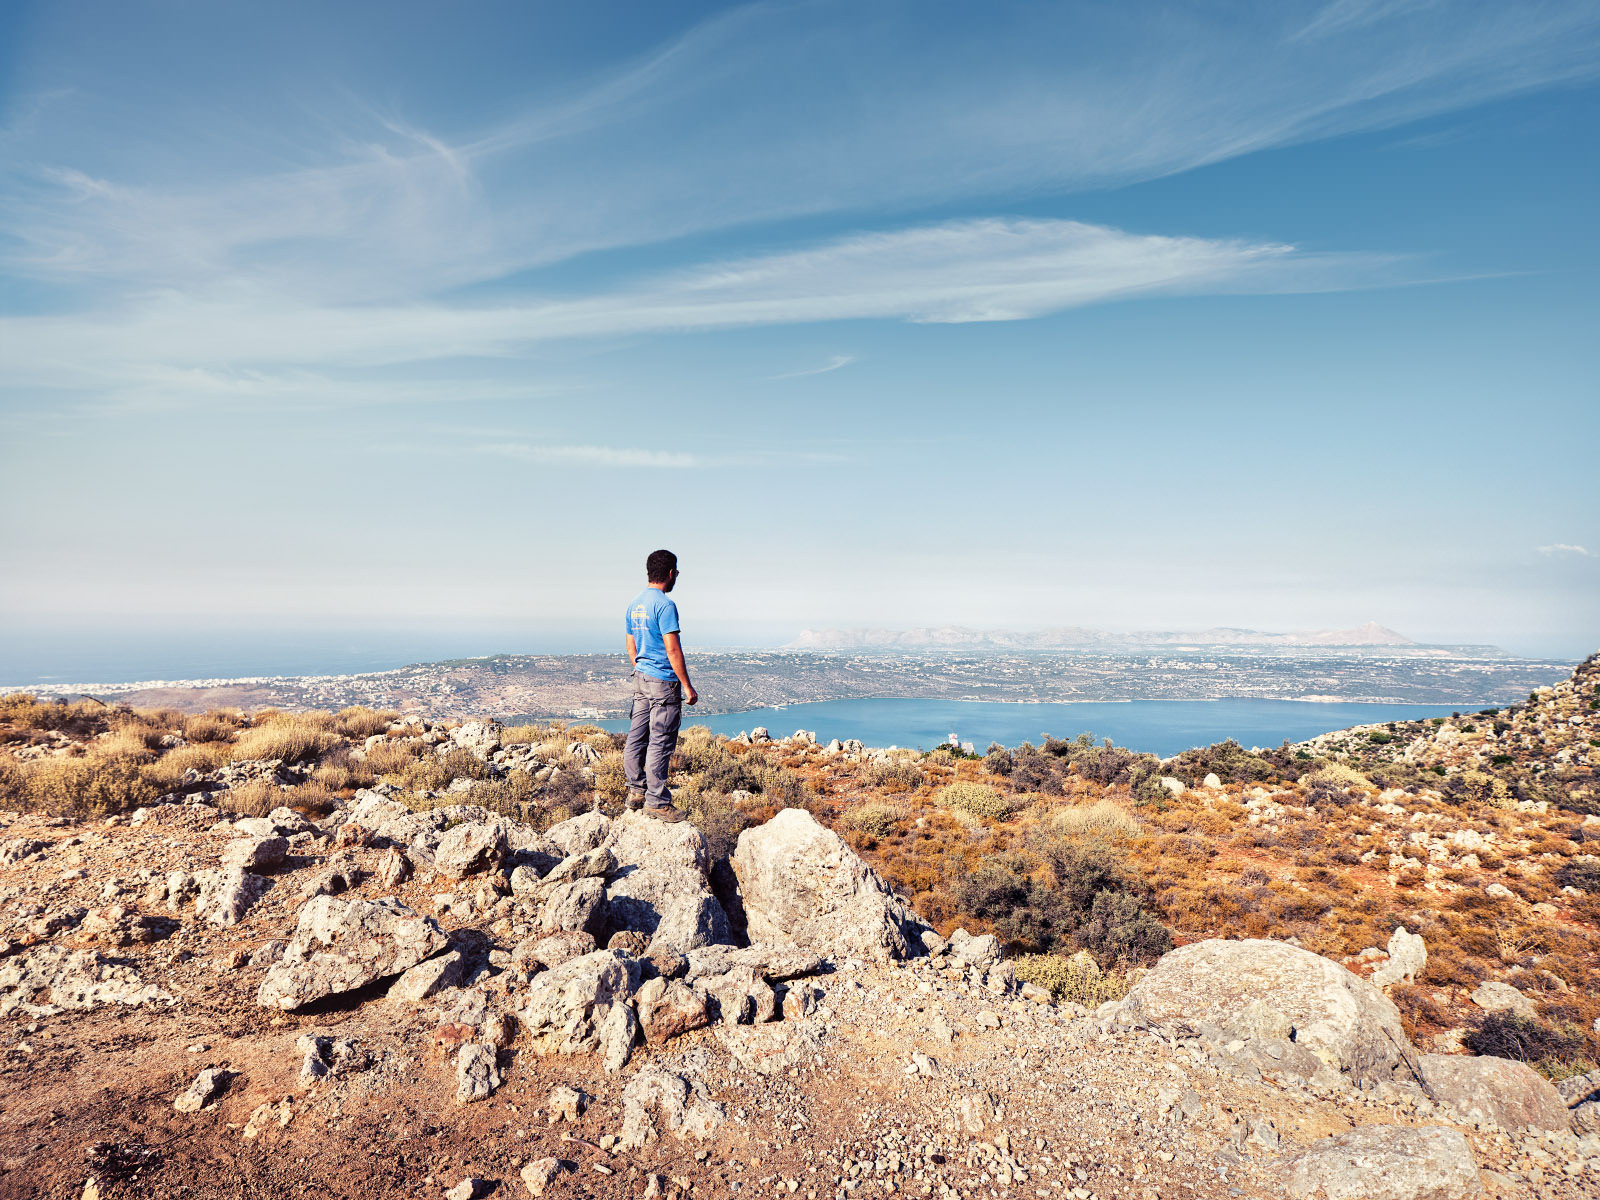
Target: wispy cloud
[(1564, 549), (593, 456), (833, 364), (954, 272), (874, 114)]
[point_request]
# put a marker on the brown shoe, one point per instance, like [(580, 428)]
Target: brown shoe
[(635, 800), (665, 812)]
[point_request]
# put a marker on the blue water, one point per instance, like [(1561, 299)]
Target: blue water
[(1163, 727)]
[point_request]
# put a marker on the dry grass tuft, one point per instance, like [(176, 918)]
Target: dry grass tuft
[(1104, 818), (292, 738)]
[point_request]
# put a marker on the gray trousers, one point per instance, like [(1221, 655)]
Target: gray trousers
[(657, 712)]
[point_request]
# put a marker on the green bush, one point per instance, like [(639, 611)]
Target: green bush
[(977, 799), (1076, 979), (874, 819), (1506, 1035)]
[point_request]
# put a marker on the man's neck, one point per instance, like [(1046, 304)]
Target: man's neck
[(660, 587)]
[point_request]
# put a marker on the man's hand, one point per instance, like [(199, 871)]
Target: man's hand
[(690, 696)]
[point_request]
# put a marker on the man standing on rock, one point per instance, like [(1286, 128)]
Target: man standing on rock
[(660, 686)]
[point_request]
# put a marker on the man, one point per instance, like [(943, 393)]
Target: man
[(660, 686)]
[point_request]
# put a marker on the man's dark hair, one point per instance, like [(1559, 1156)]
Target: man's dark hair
[(659, 565)]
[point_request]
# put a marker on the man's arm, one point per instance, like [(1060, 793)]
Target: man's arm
[(633, 651), (681, 668)]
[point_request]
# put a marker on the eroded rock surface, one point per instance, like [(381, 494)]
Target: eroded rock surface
[(340, 945)]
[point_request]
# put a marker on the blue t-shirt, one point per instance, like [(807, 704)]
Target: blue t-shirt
[(650, 618)]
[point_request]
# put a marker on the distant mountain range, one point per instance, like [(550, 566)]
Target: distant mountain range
[(955, 637)]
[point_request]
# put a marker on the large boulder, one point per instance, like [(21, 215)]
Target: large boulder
[(569, 1009), (1338, 1016), (1408, 955), (1511, 1094), (1394, 1162), (662, 884), (341, 945), (800, 883), (469, 848)]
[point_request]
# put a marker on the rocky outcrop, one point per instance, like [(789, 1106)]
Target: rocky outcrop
[(50, 978), (1493, 996), (657, 1102), (569, 1009), (468, 849), (1408, 955), (800, 883), (339, 946), (226, 896), (662, 885), (1511, 1094), (1396, 1162), (1339, 1017)]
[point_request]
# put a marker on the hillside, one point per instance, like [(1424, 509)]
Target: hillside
[(959, 637), (363, 954)]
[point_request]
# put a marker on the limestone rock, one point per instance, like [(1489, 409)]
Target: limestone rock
[(1511, 1094), (540, 1174), (800, 883), (1396, 1162), (589, 864), (50, 978), (248, 853), (983, 952), (340, 945), (427, 977), (207, 1086), (741, 996), (616, 1032), (324, 1057), (226, 896), (1580, 1088), (1339, 1017), (1408, 955), (573, 906), (662, 885), (566, 1103), (770, 1049), (394, 868), (552, 949), (657, 1102), (668, 1008), (565, 1007), (1494, 996), (468, 849), (580, 833), (776, 962), (481, 737), (477, 1074)]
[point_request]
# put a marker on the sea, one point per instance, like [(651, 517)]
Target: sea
[(1162, 727)]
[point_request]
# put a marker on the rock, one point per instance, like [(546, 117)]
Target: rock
[(800, 883), (477, 1075), (427, 977), (324, 1057), (467, 1189), (1511, 1094), (1339, 1017), (629, 941), (226, 896), (207, 1086), (616, 1033), (48, 979), (656, 1102), (776, 962), (566, 1103), (573, 906), (565, 1006), (580, 833), (1494, 996), (288, 822), (770, 1049), (740, 996), (1211, 781), (1395, 1162), (468, 849), (663, 886), (983, 952), (481, 737), (1408, 955), (249, 853), (265, 1117), (1173, 787), (671, 1009), (590, 864), (339, 946), (1260, 1021), (552, 949), (257, 827), (1499, 891), (1580, 1088), (540, 1174), (394, 868), (525, 882), (17, 850), (333, 881)]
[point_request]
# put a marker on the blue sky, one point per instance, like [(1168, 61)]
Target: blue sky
[(389, 316)]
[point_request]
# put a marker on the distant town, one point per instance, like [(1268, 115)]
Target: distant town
[(595, 686)]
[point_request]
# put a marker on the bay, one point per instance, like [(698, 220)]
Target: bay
[(1163, 727)]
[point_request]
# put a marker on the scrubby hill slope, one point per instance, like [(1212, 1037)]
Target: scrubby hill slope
[(364, 955)]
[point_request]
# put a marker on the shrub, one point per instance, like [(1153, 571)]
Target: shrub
[(1505, 1035), (998, 761), (894, 775), (1076, 979), (716, 817), (977, 799), (1582, 873), (611, 778), (1232, 763), (211, 727), (342, 771), (1119, 928), (874, 819), (290, 738), (167, 771), (358, 722), (96, 784), (255, 798), (391, 758), (1477, 787), (1105, 818), (1335, 775)]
